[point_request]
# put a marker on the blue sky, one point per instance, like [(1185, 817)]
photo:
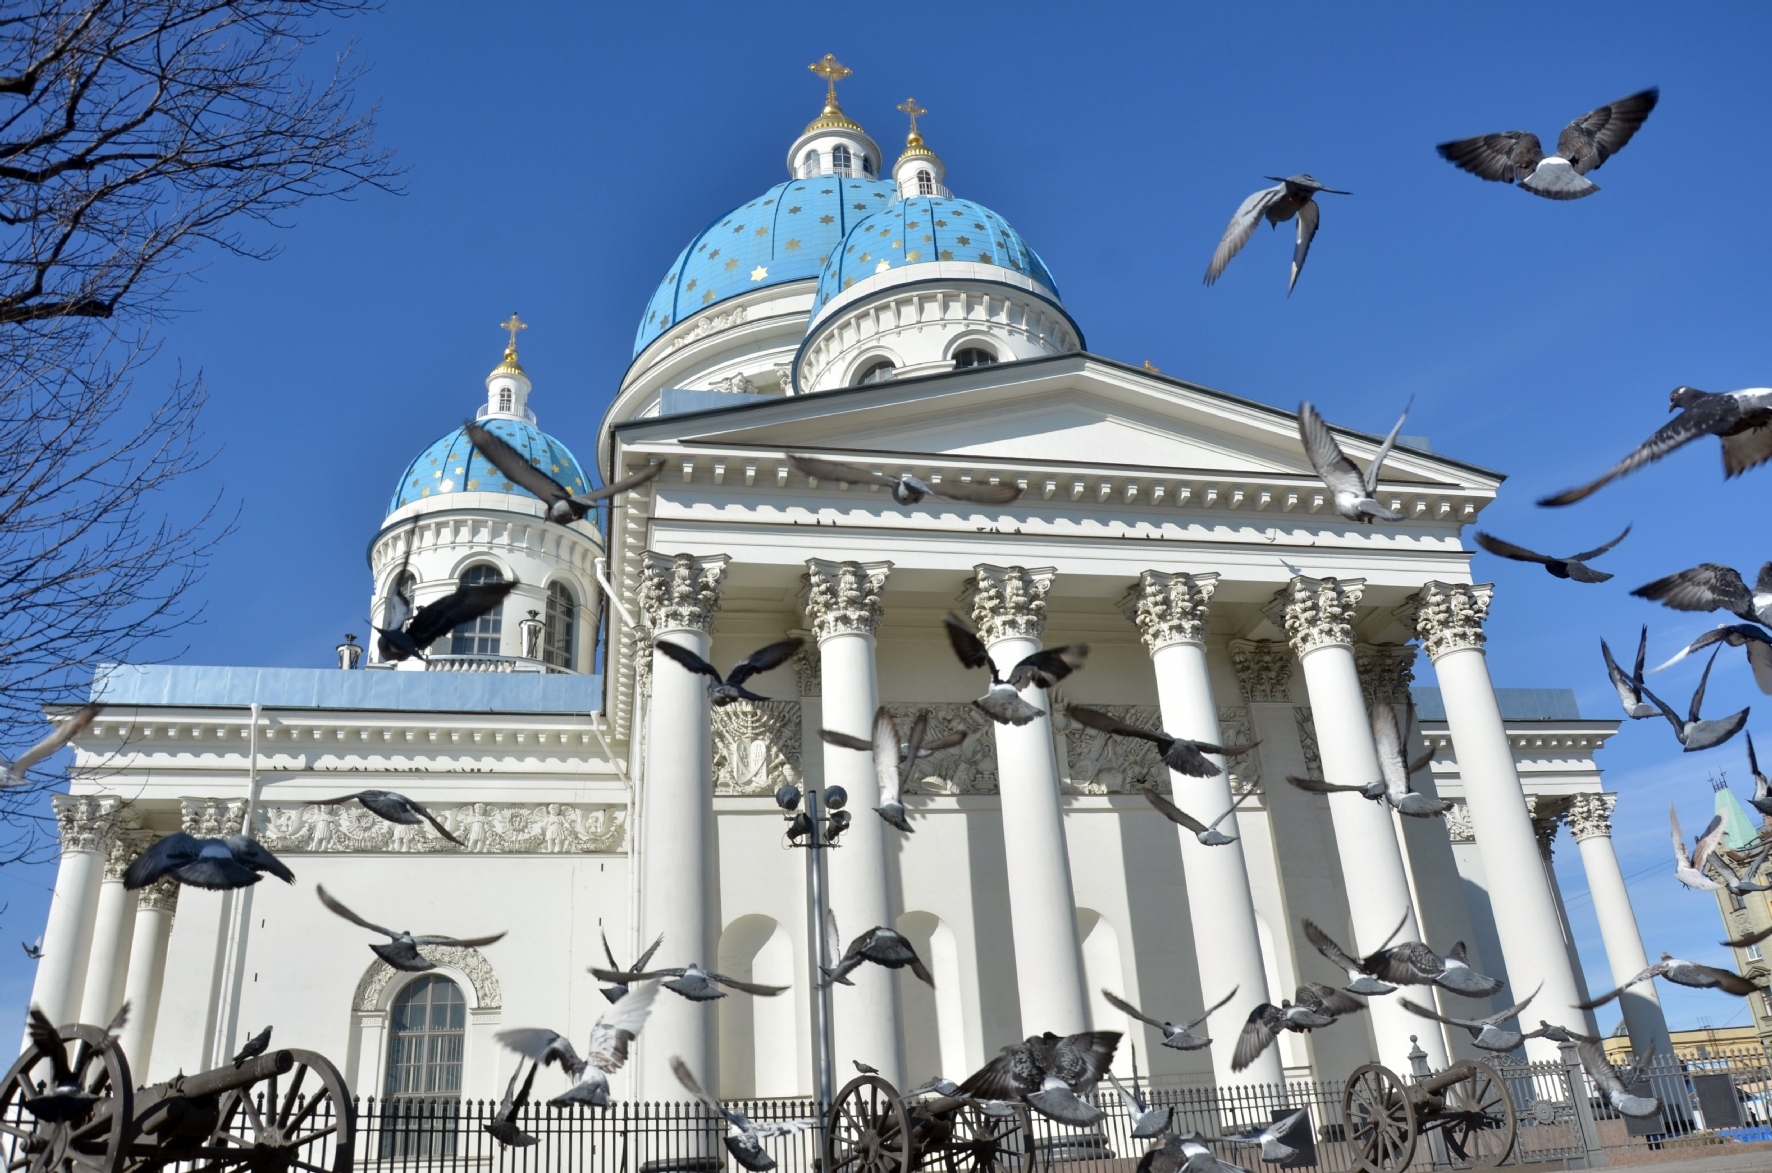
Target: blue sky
[(561, 154)]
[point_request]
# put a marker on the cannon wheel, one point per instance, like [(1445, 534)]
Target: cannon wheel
[(980, 1143), (867, 1129), (1478, 1120), (1381, 1126), (304, 1120), (92, 1144)]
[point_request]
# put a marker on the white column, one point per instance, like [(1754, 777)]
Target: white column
[(113, 925), (154, 909), (1318, 618), (1171, 612), (1590, 821), (85, 827), (681, 595), (1009, 609), (843, 606), (1448, 618)]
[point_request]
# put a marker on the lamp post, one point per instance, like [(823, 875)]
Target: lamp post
[(817, 828)]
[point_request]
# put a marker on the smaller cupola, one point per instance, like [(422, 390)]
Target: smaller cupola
[(919, 170), (833, 143), (507, 387)]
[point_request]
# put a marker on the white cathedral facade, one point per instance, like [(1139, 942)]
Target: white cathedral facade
[(860, 313)]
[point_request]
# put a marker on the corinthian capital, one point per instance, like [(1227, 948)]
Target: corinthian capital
[(1590, 815), (86, 822), (212, 818), (160, 896), (843, 598), (125, 845), (1170, 608), (681, 592), (1264, 669), (1317, 612), (1009, 601), (1448, 616), (1386, 672)]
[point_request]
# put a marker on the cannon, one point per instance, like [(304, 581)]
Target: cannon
[(1464, 1109), (870, 1128), (276, 1113)]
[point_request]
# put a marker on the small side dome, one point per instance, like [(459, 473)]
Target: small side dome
[(453, 465)]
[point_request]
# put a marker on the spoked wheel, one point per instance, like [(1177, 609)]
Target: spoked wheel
[(298, 1118), (978, 1142), (1380, 1120), (867, 1129), (1478, 1120), (92, 1140)]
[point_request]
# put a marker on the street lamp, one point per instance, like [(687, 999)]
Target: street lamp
[(817, 831)]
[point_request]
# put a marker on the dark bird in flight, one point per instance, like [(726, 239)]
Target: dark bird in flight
[(1683, 973), (894, 759), (254, 1047), (1748, 940), (503, 1125), (13, 773), (884, 947), (1316, 1006), (906, 489), (744, 1137), (1178, 753), (1574, 566), (1741, 419), (618, 991), (1694, 733), (1630, 688), (1559, 1034), (1003, 703), (1408, 964), (1516, 156), (1180, 1038), (1713, 587), (1350, 491), (233, 861), (691, 981), (395, 808), (1756, 639), (564, 506), (1392, 786), (408, 640), (401, 951), (726, 689), (1761, 801), (63, 1099), (1295, 196), (34, 952), (1050, 1074)]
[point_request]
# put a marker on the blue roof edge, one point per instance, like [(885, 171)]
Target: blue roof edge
[(198, 685), (1516, 704)]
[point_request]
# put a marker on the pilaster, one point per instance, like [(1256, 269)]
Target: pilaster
[(1264, 670)]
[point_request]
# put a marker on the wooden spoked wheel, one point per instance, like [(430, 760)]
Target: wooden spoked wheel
[(95, 1139), (1380, 1120), (1478, 1120), (303, 1120), (977, 1142), (867, 1129)]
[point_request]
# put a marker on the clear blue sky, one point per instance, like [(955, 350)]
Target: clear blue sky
[(562, 153)]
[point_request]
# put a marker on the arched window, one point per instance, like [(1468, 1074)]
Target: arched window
[(878, 372), (925, 183), (808, 164), (974, 356), (840, 160), (426, 1028), (506, 397), (562, 624), (482, 636)]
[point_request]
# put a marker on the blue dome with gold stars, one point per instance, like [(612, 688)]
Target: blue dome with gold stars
[(454, 465), (924, 230), (785, 234)]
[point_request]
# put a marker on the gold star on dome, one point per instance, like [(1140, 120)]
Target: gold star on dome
[(791, 245), (759, 273), (883, 265), (826, 219), (732, 264), (794, 211), (707, 297)]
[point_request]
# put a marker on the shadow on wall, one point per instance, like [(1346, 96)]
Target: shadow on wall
[(759, 1055), (934, 1020)]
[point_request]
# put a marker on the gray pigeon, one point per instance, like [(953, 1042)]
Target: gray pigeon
[(1180, 1038), (1295, 196), (884, 947), (691, 981), (1410, 963), (608, 1049), (13, 773), (63, 1099), (1178, 753), (395, 808), (729, 688), (1050, 1074), (1740, 881), (401, 951), (255, 1046), (1487, 1032), (1630, 688), (1146, 1120), (1689, 866), (1316, 1006), (1392, 786), (616, 992), (408, 639), (1742, 420), (1188, 1153), (1614, 1084), (1683, 973), (1713, 587), (744, 1136), (1207, 835), (503, 1126), (894, 760), (1756, 639), (233, 861), (1517, 156), (1274, 1140), (1003, 703), (1694, 733), (1573, 567), (1350, 491), (1559, 1034), (906, 489), (1762, 799), (564, 506)]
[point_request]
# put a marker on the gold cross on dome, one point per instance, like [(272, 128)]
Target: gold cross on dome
[(833, 71), (909, 106), (513, 324)]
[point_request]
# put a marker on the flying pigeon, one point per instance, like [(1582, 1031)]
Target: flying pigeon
[(1559, 1034), (1486, 1033), (63, 1099), (608, 1049), (1710, 587), (1689, 868), (1407, 964), (1392, 785), (1003, 703), (1179, 753), (1573, 567), (1349, 491), (1750, 939), (1682, 973), (233, 861), (1762, 799), (1614, 1084), (906, 489), (1295, 196), (1756, 639), (724, 690), (1316, 1006), (1049, 1073), (564, 506), (408, 640), (1741, 419), (254, 1047), (1185, 1154), (884, 947), (691, 981), (1146, 1120), (1274, 1140), (1209, 836), (1741, 881), (1696, 734), (34, 952), (1630, 688), (617, 992), (1586, 143), (503, 1125), (401, 951), (395, 808), (894, 759), (1180, 1038), (744, 1136), (13, 773)]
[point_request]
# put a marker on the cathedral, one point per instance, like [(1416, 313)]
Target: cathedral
[(857, 311)]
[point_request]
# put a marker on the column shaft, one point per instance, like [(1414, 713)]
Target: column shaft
[(147, 971), (84, 824), (1590, 820), (113, 926)]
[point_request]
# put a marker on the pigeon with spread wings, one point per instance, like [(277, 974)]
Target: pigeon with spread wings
[(1315, 1006), (619, 990), (63, 1098), (1003, 702), (1180, 1038), (1689, 866), (1756, 639), (894, 759), (233, 861), (1692, 974), (1516, 156), (503, 1126), (729, 688), (1616, 1084), (1713, 587), (1487, 1032), (1050, 1074), (13, 773), (1294, 196), (1207, 835), (1739, 881), (1392, 786), (1351, 492), (401, 951), (906, 489), (395, 808), (1180, 754), (1742, 420), (1630, 688), (1409, 963), (564, 506), (1695, 733), (1572, 567), (884, 947), (691, 981), (1146, 1120), (1762, 796), (438, 618), (744, 1136), (608, 1050)]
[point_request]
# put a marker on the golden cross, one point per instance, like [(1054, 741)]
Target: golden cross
[(513, 324), (909, 106), (833, 71)]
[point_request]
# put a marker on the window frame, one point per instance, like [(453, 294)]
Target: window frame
[(473, 639), (556, 650)]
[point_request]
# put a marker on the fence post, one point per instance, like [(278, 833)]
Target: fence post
[(1576, 1079)]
